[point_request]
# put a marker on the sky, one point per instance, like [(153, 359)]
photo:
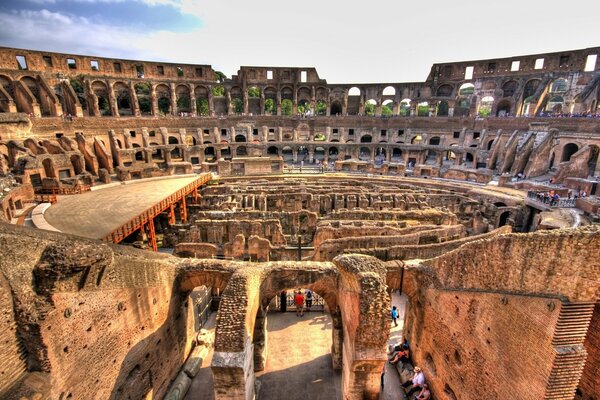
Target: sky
[(347, 41)]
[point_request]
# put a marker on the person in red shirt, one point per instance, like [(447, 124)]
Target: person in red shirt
[(299, 302)]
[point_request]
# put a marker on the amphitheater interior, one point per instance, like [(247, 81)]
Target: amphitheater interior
[(137, 196)]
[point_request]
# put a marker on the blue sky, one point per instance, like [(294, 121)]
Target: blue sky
[(346, 40)]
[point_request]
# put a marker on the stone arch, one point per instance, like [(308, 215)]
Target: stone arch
[(434, 141), (210, 153), (466, 89), (509, 88), (163, 98), (371, 107), (49, 168), (100, 90), (568, 150), (273, 151), (485, 106), (444, 90), (442, 108), (201, 95), (123, 97), (389, 91), (183, 99), (270, 94), (366, 139), (503, 108), (142, 91), (503, 218), (336, 107), (364, 154), (241, 151), (333, 153), (239, 138)]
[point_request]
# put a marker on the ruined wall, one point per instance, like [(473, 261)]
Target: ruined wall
[(105, 322), (590, 381), (483, 346)]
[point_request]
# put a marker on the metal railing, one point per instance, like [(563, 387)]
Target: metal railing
[(318, 303), (542, 198)]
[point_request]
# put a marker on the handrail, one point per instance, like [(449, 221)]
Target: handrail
[(135, 223)]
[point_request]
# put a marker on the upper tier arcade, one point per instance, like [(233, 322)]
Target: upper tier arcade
[(53, 84)]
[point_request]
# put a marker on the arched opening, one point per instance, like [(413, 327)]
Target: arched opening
[(240, 138), (333, 153), (405, 108), (287, 154), (183, 99), (272, 151), (219, 100), (336, 108), (49, 170), (163, 96), (485, 106), (466, 89), (287, 104), (387, 108), (201, 95), (173, 140), (354, 100), (226, 153), (101, 91), (303, 96), (593, 161), (139, 156), (370, 107), (555, 105), (321, 107), (253, 93), (503, 219), (142, 91), (270, 100), (366, 139), (559, 86), (417, 139), (490, 143), (509, 88), (209, 154), (237, 100), (389, 91), (434, 141), (241, 151), (123, 96), (364, 154), (77, 163), (442, 109), (423, 109), (444, 91), (568, 151), (503, 109), (319, 154), (396, 154)]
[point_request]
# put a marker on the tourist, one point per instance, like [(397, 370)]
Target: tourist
[(583, 194), (308, 295), (395, 315), (299, 302), (416, 383), (400, 355), (424, 394), (283, 301)]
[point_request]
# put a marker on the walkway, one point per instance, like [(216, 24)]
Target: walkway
[(392, 389), (97, 213), (299, 364), (202, 384)]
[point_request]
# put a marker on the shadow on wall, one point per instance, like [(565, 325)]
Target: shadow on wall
[(153, 362)]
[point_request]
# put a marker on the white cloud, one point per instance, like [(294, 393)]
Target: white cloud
[(347, 41)]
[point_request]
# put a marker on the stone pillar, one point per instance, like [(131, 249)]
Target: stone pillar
[(458, 158), (211, 103), (413, 108), (294, 155), (135, 105), (337, 343), (173, 96), (193, 107), (245, 100), (112, 101), (154, 101), (295, 102), (262, 103), (200, 136)]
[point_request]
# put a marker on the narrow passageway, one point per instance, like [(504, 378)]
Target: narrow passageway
[(202, 384), (392, 389), (299, 363)]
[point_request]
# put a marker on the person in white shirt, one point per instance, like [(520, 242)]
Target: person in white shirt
[(416, 383)]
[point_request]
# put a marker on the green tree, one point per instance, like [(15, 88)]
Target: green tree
[(218, 91), (202, 107), (369, 109), (238, 106), (145, 105), (269, 106), (183, 103), (423, 110), (253, 92), (142, 88), (77, 85), (286, 107), (164, 105), (220, 77), (386, 110), (321, 108), (304, 107)]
